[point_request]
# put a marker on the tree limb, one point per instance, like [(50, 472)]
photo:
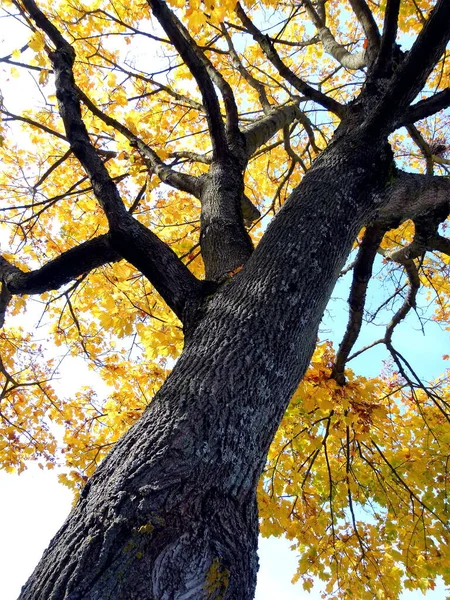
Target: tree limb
[(389, 35), (33, 123), (137, 244), (411, 75), (425, 108), (362, 274), (269, 50), (368, 23), (412, 196), (418, 139), (330, 45), (64, 268), (5, 297), (184, 46), (260, 132)]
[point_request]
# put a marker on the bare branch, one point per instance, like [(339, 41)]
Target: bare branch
[(189, 156), (410, 300), (52, 168), (362, 274)]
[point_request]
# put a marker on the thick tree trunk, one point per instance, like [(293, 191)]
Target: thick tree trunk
[(171, 512)]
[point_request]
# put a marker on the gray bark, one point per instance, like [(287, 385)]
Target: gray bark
[(171, 512)]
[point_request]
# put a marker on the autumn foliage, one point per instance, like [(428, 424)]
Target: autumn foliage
[(357, 477)]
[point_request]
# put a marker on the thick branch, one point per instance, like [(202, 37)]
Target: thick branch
[(184, 46), (425, 108), (412, 196), (137, 244), (269, 50), (425, 238), (67, 266), (362, 274), (365, 17), (411, 75), (259, 133), (340, 53), (330, 45), (390, 27)]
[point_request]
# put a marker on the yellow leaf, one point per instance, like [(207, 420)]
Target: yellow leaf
[(37, 41)]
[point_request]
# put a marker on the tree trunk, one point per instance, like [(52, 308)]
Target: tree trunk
[(171, 512)]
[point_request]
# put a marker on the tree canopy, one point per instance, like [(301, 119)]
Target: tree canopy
[(110, 217)]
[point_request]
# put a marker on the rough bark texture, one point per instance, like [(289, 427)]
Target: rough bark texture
[(224, 240), (171, 512)]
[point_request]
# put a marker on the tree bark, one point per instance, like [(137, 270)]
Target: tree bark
[(171, 512)]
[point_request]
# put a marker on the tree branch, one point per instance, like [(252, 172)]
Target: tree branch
[(362, 274), (413, 196), (418, 139), (5, 297), (180, 181), (252, 81), (260, 132), (425, 108), (368, 23), (411, 75), (185, 47), (389, 35), (410, 300), (132, 240), (67, 266), (269, 50), (330, 45), (181, 98), (33, 123)]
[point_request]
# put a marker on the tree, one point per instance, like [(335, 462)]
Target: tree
[(140, 195)]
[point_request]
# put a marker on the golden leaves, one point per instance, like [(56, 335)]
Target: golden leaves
[(351, 478)]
